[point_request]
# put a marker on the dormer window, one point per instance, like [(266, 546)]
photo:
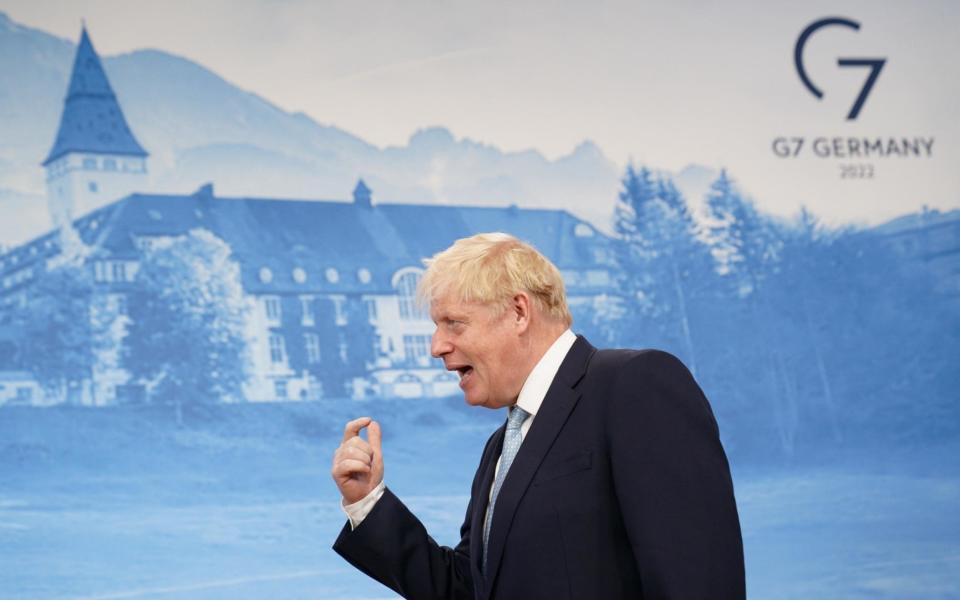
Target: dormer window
[(583, 230)]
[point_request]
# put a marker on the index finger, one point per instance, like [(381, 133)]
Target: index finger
[(353, 427)]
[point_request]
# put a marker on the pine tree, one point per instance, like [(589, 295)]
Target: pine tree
[(633, 251), (742, 240), (665, 265), (746, 247)]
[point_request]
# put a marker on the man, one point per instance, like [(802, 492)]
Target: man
[(608, 480)]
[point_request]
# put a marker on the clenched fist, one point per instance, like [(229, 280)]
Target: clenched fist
[(357, 463)]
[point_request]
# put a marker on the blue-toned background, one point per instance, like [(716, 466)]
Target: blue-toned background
[(212, 225)]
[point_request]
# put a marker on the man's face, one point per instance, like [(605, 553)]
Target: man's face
[(484, 348)]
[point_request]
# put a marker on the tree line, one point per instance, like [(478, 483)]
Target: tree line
[(803, 336)]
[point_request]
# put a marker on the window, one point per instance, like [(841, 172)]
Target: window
[(407, 296), (114, 270), (92, 186), (277, 350), (311, 342), (120, 304), (146, 243), (17, 277), (272, 306), (280, 389), (109, 164), (338, 309), (90, 163), (416, 348), (299, 275), (371, 305), (306, 309), (118, 271), (333, 275), (24, 395)]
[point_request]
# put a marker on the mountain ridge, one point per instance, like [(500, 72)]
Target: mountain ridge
[(195, 124)]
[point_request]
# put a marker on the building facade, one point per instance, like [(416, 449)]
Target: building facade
[(330, 284)]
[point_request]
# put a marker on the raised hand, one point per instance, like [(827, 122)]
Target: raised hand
[(358, 463)]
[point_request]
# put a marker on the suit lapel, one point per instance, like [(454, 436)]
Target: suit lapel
[(482, 498), (556, 407)]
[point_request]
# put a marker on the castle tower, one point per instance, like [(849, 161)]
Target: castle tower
[(95, 158)]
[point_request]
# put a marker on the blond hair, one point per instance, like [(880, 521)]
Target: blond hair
[(490, 268)]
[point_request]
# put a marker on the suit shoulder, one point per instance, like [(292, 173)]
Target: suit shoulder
[(648, 360)]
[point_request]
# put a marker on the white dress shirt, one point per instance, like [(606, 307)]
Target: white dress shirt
[(531, 396)]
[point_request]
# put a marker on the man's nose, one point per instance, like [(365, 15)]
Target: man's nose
[(439, 346)]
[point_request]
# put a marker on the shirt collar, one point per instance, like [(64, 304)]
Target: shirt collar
[(535, 388)]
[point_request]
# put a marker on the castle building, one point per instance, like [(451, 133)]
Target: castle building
[(95, 158), (359, 258)]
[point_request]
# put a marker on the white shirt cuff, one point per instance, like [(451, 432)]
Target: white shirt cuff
[(359, 510)]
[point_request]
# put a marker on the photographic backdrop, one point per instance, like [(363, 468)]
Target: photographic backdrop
[(213, 219)]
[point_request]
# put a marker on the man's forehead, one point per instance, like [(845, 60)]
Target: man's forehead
[(445, 305)]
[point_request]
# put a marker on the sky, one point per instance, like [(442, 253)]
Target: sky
[(664, 84)]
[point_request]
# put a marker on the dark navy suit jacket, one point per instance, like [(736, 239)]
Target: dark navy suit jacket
[(620, 489)]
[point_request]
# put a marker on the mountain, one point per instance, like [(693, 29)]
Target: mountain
[(200, 128)]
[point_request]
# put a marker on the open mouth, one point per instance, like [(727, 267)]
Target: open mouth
[(465, 372)]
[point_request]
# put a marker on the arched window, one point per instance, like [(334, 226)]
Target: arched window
[(405, 283)]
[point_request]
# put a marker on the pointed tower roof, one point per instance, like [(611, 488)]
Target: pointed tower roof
[(92, 120), (362, 195)]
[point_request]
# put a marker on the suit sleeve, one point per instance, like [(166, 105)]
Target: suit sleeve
[(392, 546), (673, 483)]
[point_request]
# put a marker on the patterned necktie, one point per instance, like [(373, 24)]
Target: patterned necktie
[(511, 444)]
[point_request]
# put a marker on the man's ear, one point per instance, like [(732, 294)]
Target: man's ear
[(521, 309)]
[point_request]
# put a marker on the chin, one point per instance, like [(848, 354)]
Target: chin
[(479, 400), (473, 400)]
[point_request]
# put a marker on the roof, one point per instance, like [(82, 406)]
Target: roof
[(364, 245), (317, 236), (92, 120), (912, 222)]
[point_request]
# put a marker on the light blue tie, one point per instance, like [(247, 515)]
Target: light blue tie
[(511, 444)]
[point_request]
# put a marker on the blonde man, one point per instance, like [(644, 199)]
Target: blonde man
[(608, 479)]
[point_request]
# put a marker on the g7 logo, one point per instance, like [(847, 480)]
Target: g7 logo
[(875, 64)]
